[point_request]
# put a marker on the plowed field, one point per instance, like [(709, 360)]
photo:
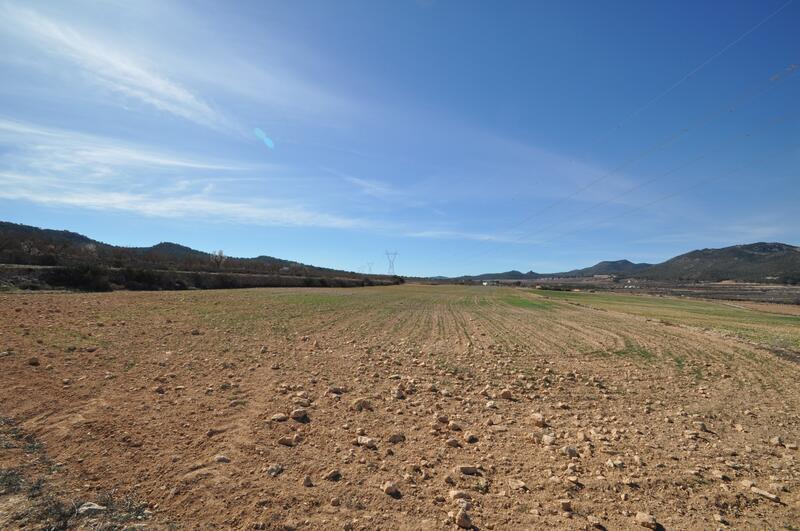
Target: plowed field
[(474, 406)]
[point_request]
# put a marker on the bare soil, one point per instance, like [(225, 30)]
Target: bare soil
[(160, 408)]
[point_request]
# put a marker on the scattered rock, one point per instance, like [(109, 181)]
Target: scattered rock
[(517, 484), (646, 520), (300, 415), (471, 438), (361, 404), (595, 522), (538, 420), (34, 362), (765, 494), (367, 442), (459, 495), (307, 481), (462, 519), (280, 417), (396, 438), (275, 470), (333, 475), (570, 452), (719, 474), (505, 394), (222, 459), (215, 431), (90, 508), (286, 441), (390, 488)]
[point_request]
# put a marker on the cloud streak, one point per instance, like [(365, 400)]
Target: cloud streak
[(463, 235), (64, 168), (52, 150), (51, 192), (113, 69)]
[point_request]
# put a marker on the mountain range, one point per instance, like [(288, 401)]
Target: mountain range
[(777, 263), (27, 245)]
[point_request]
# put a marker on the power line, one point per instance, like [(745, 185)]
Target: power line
[(764, 86), (658, 97), (682, 165), (697, 184), (693, 71)]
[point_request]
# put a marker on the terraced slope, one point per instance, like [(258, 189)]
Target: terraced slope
[(492, 407)]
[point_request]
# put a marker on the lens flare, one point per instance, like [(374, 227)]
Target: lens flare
[(263, 136)]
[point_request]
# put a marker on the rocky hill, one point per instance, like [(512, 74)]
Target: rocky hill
[(772, 263), (756, 262), (27, 245)]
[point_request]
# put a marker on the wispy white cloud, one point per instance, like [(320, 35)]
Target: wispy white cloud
[(53, 150), (383, 191), (277, 89), (53, 192), (463, 235), (114, 69), (373, 188), (65, 168)]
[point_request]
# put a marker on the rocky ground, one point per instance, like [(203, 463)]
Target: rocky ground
[(410, 407)]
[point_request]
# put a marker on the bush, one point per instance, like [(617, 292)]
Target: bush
[(86, 278)]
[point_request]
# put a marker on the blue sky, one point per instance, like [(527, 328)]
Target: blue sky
[(467, 136)]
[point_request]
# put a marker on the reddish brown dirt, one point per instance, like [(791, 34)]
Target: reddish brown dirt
[(167, 399)]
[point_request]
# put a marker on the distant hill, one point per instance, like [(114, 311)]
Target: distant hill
[(756, 262), (27, 245), (508, 275), (774, 263), (617, 267)]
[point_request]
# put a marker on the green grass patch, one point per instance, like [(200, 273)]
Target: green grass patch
[(529, 304), (632, 350), (768, 329)]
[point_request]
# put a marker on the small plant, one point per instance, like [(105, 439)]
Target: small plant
[(56, 514), (10, 481), (35, 488), (634, 350), (482, 486), (32, 444), (123, 508)]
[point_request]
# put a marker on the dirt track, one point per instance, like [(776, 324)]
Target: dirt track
[(168, 399)]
